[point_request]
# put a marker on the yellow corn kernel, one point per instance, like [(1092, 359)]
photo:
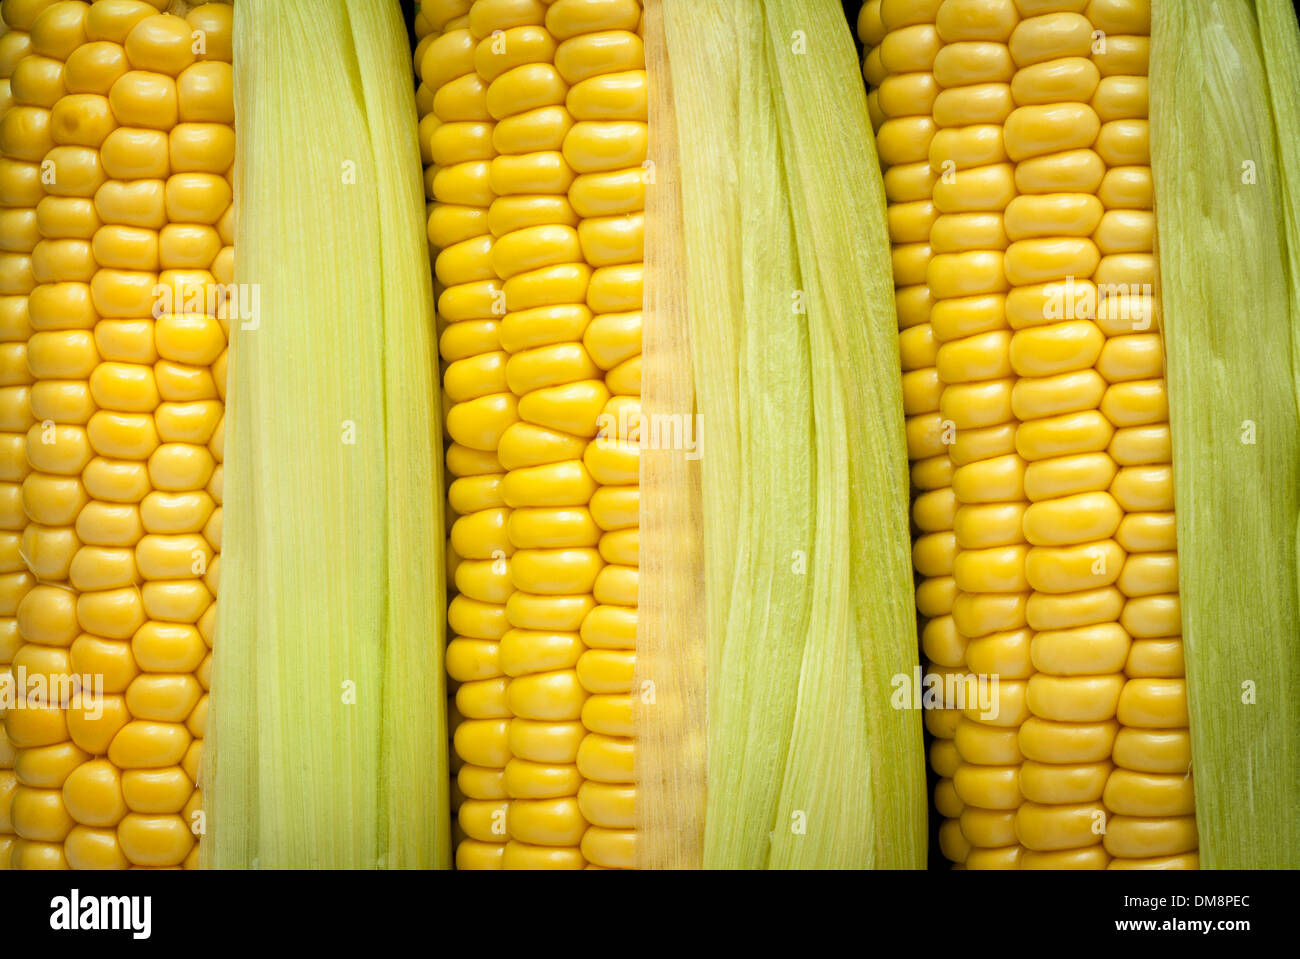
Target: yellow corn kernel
[(610, 715), (469, 660), (985, 745), (549, 822), (1155, 659), (606, 670), (1089, 650), (483, 742), (40, 815), (988, 787), (1087, 857), (984, 525), (519, 855), (154, 840), (447, 57), (475, 854), (1052, 827), (476, 620), (571, 18), (200, 147), (1073, 433), (177, 601), (518, 44), (543, 129), (608, 193), (88, 848), (1154, 750), (168, 647), (479, 782), (1069, 610), (604, 51), (1131, 793), (161, 44), (1142, 840), (461, 99), (215, 20), (1058, 784), (108, 658), (609, 848), (1068, 392), (526, 87), (156, 791), (205, 93), (610, 627), (528, 780), (1154, 703), (544, 742), (995, 570), (1126, 187), (197, 197), (989, 828), (1066, 742), (49, 766), (49, 551), (606, 759), (484, 699), (979, 615), (1084, 699), (1073, 171), (1149, 574), (596, 146)]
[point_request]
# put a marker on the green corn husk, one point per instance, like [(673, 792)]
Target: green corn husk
[(770, 606), (844, 257), (1223, 151), (328, 742), (1280, 39), (806, 548)]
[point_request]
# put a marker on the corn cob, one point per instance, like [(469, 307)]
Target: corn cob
[(17, 239), (468, 303), (1149, 793), (533, 132), (1032, 117), (124, 121), (911, 213)]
